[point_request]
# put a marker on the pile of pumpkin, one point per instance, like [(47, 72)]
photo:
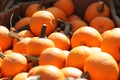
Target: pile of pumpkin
[(59, 45)]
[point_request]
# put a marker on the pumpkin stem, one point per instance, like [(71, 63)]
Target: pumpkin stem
[(11, 21), (26, 27), (2, 55), (68, 28), (43, 31), (41, 5), (86, 75), (32, 58), (13, 34), (100, 7)]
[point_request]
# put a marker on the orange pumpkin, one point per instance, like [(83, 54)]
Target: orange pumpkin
[(22, 22), (52, 56), (20, 46), (58, 13), (95, 9), (37, 44), (42, 17), (77, 24), (72, 72), (20, 76), (73, 17), (80, 53), (13, 64), (110, 42), (86, 36), (68, 6), (60, 40), (102, 23), (22, 34), (101, 64), (32, 8), (5, 40), (48, 72)]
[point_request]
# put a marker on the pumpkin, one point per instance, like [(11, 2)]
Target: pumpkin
[(98, 8), (20, 76), (102, 23), (73, 17), (32, 8), (101, 66), (77, 24), (80, 53), (52, 56), (68, 6), (22, 22), (48, 72), (37, 44), (42, 17), (86, 36), (110, 43), (20, 46), (72, 72), (5, 40), (13, 64), (21, 34), (60, 40), (58, 13)]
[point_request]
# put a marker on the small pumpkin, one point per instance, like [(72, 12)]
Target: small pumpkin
[(102, 23), (52, 56), (87, 36), (80, 53), (20, 76), (58, 13), (42, 17), (48, 72), (72, 72), (98, 8), (110, 43), (5, 40), (37, 44), (101, 64), (13, 64), (68, 6)]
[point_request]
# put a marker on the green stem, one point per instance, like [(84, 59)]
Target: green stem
[(32, 58), (2, 55), (85, 75), (43, 31), (68, 28)]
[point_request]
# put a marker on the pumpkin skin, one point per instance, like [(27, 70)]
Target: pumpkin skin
[(13, 64), (102, 23), (68, 6), (20, 46), (111, 43), (22, 22), (61, 40), (58, 13), (5, 40), (92, 11), (32, 8), (42, 17), (52, 56), (77, 24), (36, 45), (80, 53), (72, 72), (87, 36), (48, 72), (20, 76), (102, 64)]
